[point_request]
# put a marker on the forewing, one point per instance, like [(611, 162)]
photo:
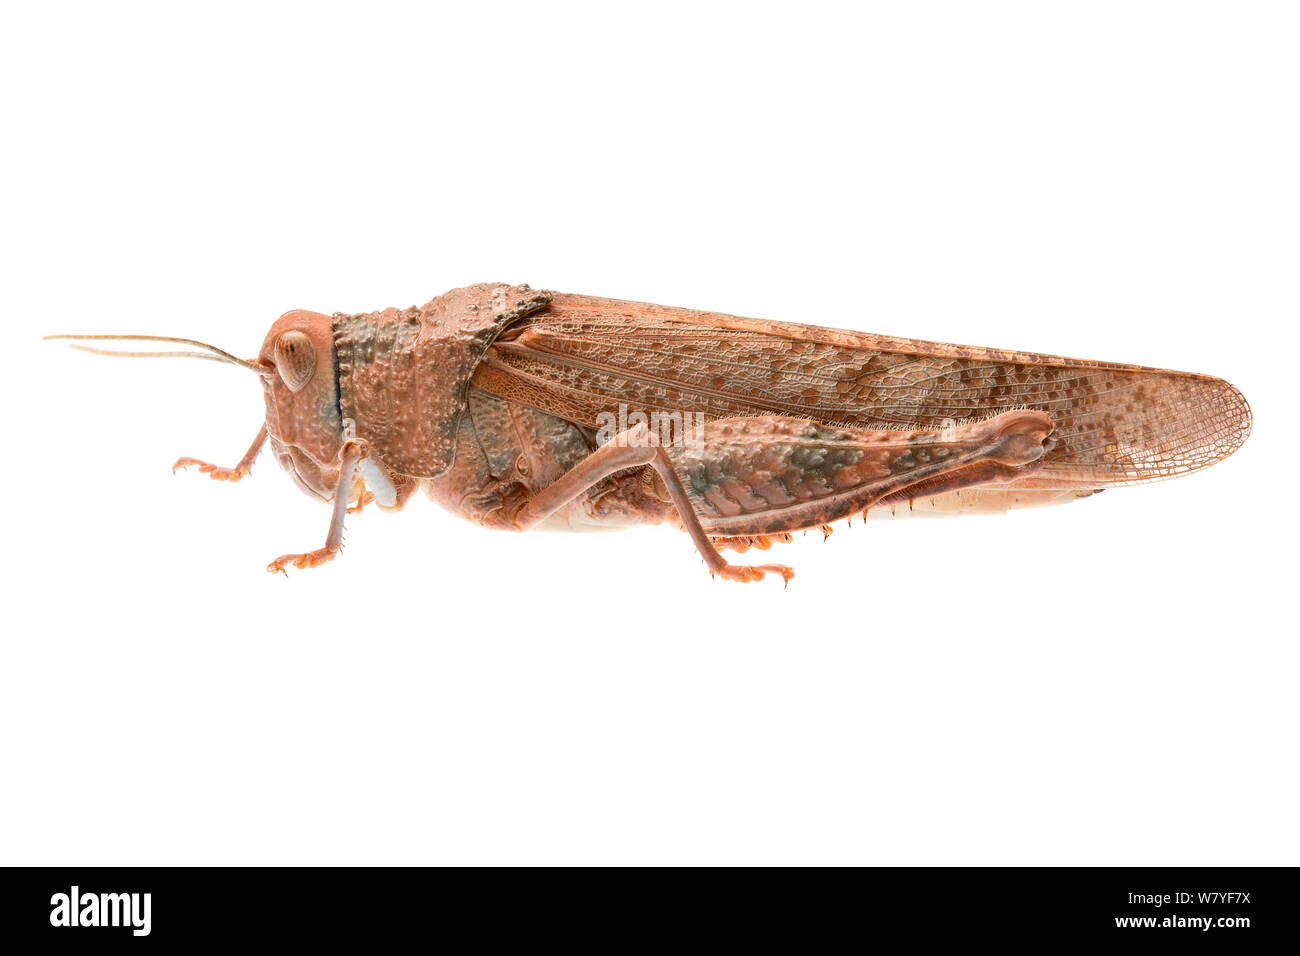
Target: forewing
[(1115, 424)]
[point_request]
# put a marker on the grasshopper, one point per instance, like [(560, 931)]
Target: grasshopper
[(518, 408)]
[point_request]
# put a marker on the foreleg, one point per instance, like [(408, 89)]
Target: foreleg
[(227, 474)]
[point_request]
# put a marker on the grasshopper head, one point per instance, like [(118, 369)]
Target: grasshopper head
[(299, 379), (300, 383)]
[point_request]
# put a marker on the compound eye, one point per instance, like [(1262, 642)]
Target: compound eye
[(295, 359)]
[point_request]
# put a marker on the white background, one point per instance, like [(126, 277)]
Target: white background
[(1113, 682)]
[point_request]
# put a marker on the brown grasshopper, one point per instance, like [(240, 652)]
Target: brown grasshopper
[(518, 408)]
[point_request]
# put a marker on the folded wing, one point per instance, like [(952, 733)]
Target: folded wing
[(1115, 424)]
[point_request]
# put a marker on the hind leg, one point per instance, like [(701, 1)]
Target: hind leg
[(632, 449), (768, 475)]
